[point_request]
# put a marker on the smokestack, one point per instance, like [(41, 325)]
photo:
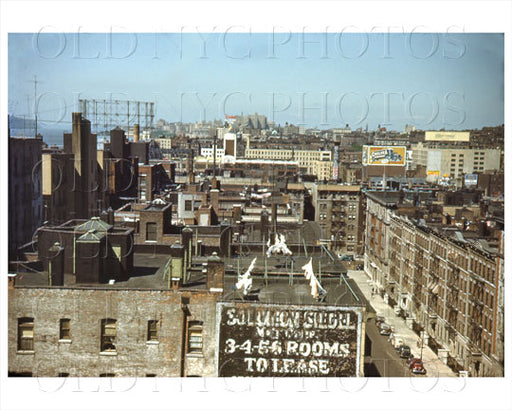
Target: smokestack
[(136, 132)]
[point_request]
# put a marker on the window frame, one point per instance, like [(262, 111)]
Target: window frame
[(63, 329), (112, 338), (25, 343), (195, 331), (152, 333)]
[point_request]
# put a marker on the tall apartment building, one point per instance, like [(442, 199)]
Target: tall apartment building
[(338, 210), (447, 284), (25, 195)]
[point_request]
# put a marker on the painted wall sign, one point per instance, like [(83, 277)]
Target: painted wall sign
[(264, 340)]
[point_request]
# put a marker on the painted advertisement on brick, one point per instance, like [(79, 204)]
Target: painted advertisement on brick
[(264, 340)]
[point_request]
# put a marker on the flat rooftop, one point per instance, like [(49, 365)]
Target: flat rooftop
[(284, 283)]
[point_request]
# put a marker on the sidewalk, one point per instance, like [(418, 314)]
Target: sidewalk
[(434, 366)]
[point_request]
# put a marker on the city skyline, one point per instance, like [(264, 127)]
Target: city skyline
[(314, 80)]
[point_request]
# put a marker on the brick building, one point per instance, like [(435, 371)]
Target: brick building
[(339, 212), (171, 323), (111, 331), (81, 242), (446, 282)]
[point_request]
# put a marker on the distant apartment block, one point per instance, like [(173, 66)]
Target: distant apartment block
[(318, 163)]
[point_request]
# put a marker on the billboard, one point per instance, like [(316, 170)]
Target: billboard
[(383, 155), (447, 136), (267, 340)]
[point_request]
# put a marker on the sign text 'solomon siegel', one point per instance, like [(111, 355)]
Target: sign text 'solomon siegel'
[(282, 340)]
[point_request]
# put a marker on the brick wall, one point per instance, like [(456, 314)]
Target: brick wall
[(132, 309)]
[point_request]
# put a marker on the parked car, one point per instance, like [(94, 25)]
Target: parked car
[(379, 319), (385, 329), (413, 361), (419, 369), (416, 366), (404, 351), (398, 343)]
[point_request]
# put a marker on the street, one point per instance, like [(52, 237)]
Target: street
[(384, 360)]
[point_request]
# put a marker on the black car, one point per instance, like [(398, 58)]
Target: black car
[(404, 351)]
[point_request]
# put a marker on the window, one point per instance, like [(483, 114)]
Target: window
[(107, 375), (26, 334), (151, 231), (195, 337), (188, 205), (152, 330), (65, 329), (108, 335)]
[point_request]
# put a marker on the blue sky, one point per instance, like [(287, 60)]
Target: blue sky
[(452, 81)]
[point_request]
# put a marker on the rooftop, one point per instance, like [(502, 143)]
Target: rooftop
[(280, 286)]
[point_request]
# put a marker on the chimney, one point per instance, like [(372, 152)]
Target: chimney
[(12, 280), (237, 213), (199, 248), (190, 164), (215, 274), (136, 132), (264, 226), (215, 183), (274, 217), (177, 276), (110, 213), (214, 200), (56, 265), (186, 241)]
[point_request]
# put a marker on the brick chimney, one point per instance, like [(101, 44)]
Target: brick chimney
[(136, 132), (215, 274)]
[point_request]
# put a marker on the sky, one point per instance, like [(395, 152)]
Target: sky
[(431, 81)]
